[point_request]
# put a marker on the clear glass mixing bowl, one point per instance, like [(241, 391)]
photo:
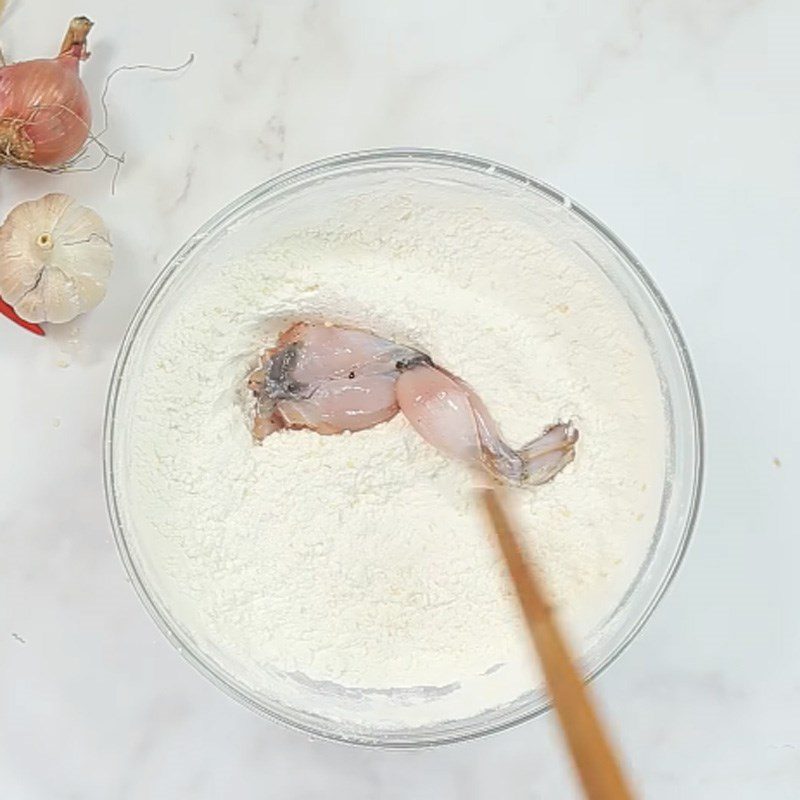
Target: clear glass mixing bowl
[(590, 242)]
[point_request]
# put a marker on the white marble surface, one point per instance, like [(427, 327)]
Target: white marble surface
[(676, 122)]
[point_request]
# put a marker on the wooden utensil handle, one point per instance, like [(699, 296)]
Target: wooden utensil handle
[(594, 759)]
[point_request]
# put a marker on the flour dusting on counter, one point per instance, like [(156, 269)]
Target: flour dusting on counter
[(311, 563)]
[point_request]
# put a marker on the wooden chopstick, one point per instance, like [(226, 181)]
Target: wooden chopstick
[(591, 751)]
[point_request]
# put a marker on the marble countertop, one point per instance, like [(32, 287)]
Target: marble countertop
[(677, 123)]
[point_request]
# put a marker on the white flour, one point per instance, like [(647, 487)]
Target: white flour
[(362, 559)]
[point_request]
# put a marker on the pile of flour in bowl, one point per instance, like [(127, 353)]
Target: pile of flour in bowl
[(361, 562)]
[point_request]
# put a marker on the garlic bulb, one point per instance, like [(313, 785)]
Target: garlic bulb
[(55, 259)]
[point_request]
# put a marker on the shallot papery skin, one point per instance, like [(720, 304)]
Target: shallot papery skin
[(45, 116)]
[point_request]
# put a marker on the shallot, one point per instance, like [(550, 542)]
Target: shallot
[(45, 116)]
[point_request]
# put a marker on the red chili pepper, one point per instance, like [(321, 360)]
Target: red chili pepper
[(7, 311)]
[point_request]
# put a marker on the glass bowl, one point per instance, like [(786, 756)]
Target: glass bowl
[(324, 182)]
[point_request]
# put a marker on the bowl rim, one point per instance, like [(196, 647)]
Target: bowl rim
[(399, 739)]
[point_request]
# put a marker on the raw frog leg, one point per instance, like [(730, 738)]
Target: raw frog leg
[(328, 378), (448, 414), (331, 378)]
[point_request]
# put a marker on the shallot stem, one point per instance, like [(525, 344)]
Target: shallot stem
[(74, 43)]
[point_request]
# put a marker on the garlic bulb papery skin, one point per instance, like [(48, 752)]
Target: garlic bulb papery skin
[(55, 259)]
